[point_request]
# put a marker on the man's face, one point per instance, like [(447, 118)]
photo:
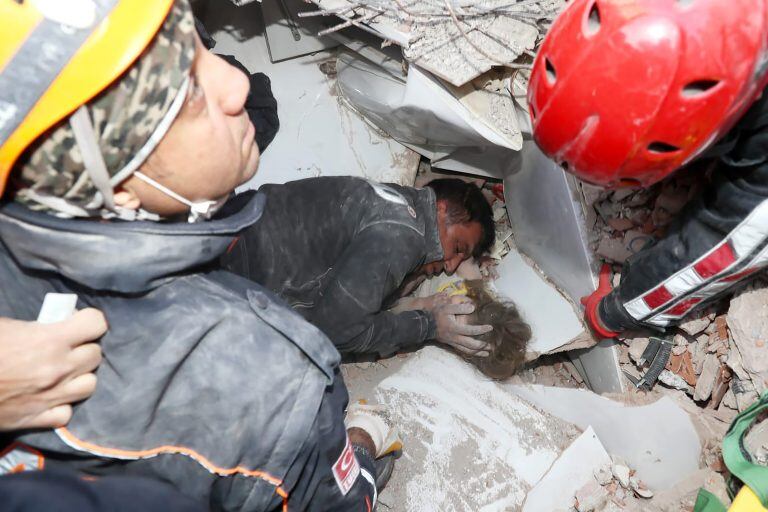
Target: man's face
[(210, 148), (458, 240)]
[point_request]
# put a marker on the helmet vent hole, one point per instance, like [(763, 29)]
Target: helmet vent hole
[(551, 74), (662, 147), (698, 87), (533, 112), (593, 20)]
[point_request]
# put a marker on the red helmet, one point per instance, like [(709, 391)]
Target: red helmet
[(623, 92)]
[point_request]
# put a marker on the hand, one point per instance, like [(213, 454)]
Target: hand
[(457, 334), (44, 368), (591, 303), (369, 426)]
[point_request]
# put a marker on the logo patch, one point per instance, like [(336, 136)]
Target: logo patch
[(346, 469)]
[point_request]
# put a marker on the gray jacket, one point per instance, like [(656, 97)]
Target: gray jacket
[(207, 381), (336, 249)]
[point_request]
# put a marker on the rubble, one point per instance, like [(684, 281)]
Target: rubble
[(627, 220), (456, 42)]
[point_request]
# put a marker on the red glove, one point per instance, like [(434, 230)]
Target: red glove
[(591, 302)]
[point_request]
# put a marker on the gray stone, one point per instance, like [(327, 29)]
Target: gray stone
[(748, 325), (707, 378)]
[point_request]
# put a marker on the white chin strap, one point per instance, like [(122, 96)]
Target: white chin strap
[(197, 210), (93, 160)]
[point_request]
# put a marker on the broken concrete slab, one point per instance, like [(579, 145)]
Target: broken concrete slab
[(470, 444), (748, 324), (571, 471), (658, 440), (551, 317)]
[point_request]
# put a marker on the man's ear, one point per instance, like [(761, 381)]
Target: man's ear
[(127, 198), (442, 207)]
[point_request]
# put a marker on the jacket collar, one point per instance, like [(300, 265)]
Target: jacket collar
[(123, 257), (425, 205)]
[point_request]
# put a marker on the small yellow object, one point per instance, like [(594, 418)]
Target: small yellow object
[(746, 501), (454, 288)]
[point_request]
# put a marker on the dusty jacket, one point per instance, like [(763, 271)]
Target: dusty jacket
[(207, 382), (720, 239), (336, 249)]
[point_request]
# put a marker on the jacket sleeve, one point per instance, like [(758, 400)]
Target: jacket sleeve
[(348, 308), (332, 474), (720, 240)]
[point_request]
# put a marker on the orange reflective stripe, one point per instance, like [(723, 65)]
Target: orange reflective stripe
[(95, 449), (18, 469)]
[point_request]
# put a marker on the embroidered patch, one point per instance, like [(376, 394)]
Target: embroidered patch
[(346, 469)]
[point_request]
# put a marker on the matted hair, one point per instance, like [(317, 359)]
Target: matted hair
[(509, 337)]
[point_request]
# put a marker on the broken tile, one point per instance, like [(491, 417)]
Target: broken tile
[(722, 386), (620, 224)]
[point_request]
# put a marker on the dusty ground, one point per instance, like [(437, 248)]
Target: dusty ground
[(469, 445)]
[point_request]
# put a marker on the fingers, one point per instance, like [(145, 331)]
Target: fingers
[(472, 330), (74, 390), (51, 418), (463, 308), (84, 326), (84, 359), (470, 346)]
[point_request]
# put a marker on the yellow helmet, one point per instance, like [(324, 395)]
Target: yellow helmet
[(56, 55)]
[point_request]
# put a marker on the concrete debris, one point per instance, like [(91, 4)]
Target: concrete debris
[(673, 380), (621, 472), (706, 380), (591, 498), (455, 42), (629, 219), (604, 476), (748, 325)]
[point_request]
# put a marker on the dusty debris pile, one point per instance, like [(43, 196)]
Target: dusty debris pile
[(614, 488), (625, 220), (455, 40), (719, 358)]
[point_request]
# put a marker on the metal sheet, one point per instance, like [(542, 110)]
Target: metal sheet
[(547, 218)]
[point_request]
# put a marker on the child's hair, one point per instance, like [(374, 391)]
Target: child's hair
[(509, 337)]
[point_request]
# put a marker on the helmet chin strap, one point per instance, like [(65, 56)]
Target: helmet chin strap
[(93, 160), (199, 210)]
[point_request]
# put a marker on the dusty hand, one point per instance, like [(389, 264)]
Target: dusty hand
[(44, 368), (421, 303), (458, 334)]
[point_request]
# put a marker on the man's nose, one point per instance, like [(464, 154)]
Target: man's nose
[(452, 264)]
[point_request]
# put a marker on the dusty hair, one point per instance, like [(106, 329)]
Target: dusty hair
[(509, 337)]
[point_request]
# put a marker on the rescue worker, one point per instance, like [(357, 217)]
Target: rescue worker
[(623, 93), (114, 117), (338, 249)]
